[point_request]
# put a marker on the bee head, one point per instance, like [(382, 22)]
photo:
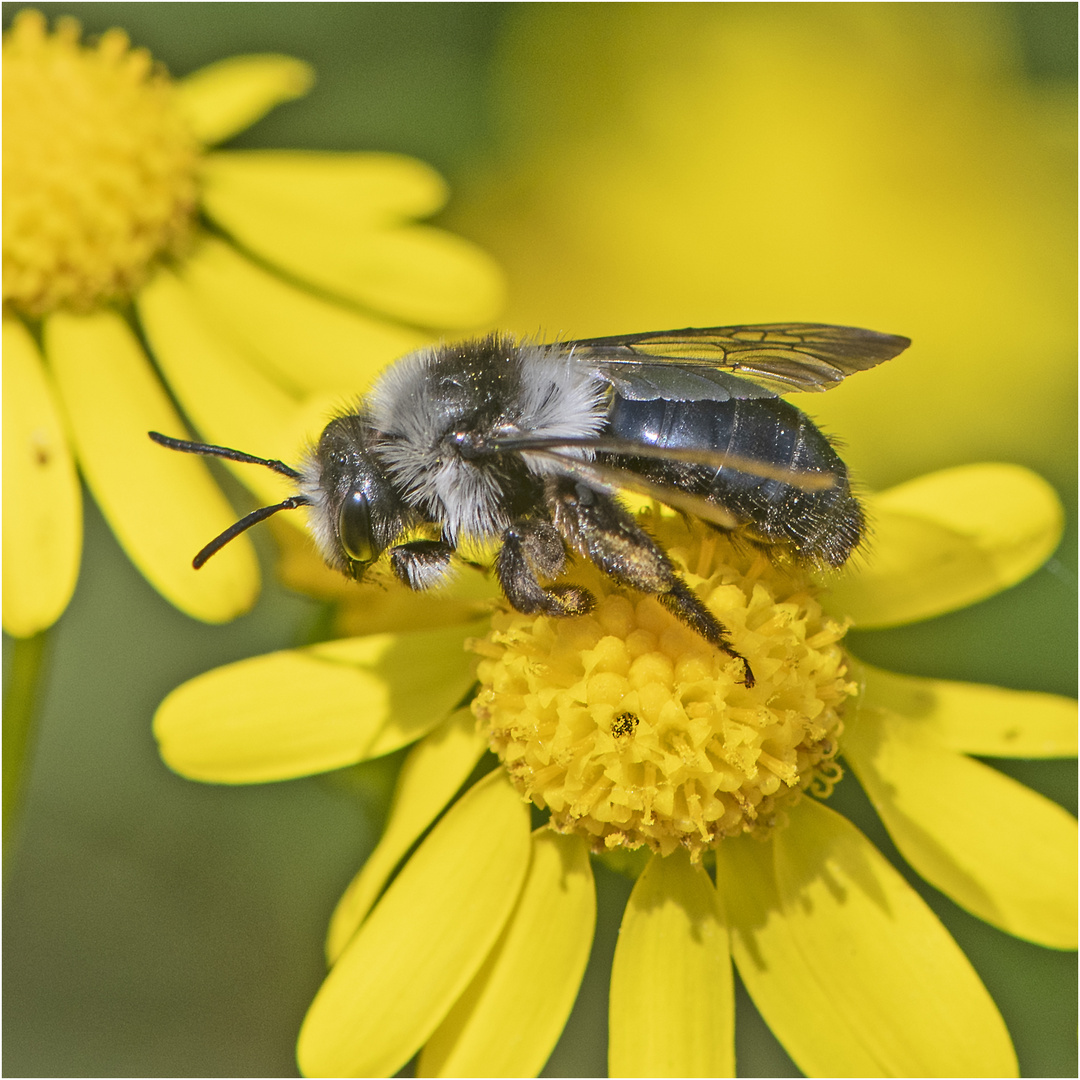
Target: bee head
[(356, 513)]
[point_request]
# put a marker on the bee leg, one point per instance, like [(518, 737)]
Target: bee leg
[(533, 547), (421, 564), (598, 527)]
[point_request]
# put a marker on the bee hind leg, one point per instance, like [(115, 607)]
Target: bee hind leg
[(597, 526), (531, 548)]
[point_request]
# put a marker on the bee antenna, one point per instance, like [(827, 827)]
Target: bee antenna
[(229, 455), (245, 523)]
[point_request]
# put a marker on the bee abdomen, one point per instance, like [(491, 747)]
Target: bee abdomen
[(816, 526)]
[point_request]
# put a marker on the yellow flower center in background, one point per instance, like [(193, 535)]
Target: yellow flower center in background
[(99, 167), (630, 729)]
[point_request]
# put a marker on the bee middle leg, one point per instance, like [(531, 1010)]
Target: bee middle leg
[(531, 548), (597, 526)]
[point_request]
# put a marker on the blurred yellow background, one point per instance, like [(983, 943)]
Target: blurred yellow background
[(879, 165)]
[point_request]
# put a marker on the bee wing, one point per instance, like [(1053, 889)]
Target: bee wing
[(546, 445), (611, 476), (611, 479), (723, 362)]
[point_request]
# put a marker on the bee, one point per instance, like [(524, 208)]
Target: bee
[(529, 443)]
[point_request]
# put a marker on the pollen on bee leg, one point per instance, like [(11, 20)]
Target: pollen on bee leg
[(632, 730)]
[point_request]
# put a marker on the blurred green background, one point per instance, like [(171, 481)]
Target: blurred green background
[(905, 167)]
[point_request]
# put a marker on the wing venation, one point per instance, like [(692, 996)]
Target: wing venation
[(715, 363)]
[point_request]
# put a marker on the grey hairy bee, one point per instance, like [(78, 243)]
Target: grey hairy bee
[(528, 444)]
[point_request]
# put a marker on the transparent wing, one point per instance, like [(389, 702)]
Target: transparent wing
[(804, 479), (611, 475), (722, 362), (611, 479)]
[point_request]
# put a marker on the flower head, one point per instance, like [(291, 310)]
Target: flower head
[(627, 733), (100, 168), (256, 280), (630, 729)]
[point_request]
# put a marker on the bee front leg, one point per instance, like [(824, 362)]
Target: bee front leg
[(598, 527), (421, 564), (533, 547)]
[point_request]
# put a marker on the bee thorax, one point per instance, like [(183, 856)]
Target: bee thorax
[(442, 415)]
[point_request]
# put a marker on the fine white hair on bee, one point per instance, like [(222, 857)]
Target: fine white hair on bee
[(528, 444), (495, 386)]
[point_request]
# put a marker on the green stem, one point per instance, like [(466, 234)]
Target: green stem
[(22, 701)]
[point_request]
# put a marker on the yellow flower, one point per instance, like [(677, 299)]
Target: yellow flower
[(141, 268), (631, 733)]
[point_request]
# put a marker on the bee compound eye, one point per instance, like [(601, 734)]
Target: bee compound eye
[(354, 528)]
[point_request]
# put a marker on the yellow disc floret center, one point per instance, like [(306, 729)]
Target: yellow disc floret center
[(631, 729), (99, 167)]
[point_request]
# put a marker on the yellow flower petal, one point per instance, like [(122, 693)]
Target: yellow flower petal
[(848, 966), (424, 941), (228, 399), (947, 540), (43, 523), (307, 344), (410, 272), (432, 773), (328, 190), (977, 719), (530, 979), (163, 507), (305, 711), (672, 1005), (997, 848), (224, 98), (419, 274)]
